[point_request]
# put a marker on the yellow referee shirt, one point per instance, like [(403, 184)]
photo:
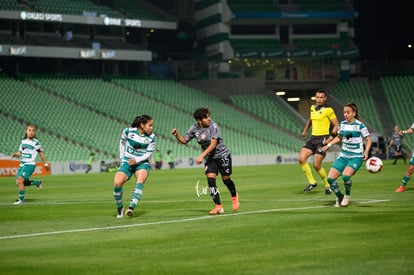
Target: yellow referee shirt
[(321, 120)]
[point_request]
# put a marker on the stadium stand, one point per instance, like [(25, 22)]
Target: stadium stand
[(113, 101), (74, 7), (270, 110), (11, 5), (360, 93), (119, 9), (87, 112), (83, 113), (140, 9), (399, 92), (59, 117), (237, 124), (56, 147)]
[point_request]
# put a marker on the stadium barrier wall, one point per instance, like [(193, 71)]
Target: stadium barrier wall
[(9, 167)]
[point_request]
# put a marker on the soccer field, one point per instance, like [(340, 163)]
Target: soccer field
[(70, 226)]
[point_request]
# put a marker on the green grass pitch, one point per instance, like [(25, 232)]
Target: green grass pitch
[(70, 226)]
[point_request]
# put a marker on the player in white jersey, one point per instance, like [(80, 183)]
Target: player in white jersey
[(352, 132), (136, 146), (216, 156), (29, 148), (410, 169)]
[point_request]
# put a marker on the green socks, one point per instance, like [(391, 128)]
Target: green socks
[(118, 196), (136, 195)]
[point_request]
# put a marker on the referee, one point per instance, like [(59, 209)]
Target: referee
[(321, 118)]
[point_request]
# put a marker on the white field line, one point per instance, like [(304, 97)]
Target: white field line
[(170, 221)]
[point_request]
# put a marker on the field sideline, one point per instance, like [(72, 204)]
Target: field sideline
[(70, 226)]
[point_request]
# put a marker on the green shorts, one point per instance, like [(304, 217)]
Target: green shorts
[(130, 170), (340, 163), (25, 171)]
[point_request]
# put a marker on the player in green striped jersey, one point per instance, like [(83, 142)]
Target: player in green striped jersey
[(135, 149), (352, 132), (29, 148)]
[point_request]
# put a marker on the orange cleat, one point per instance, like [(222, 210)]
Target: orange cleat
[(217, 210), (400, 189), (235, 202)]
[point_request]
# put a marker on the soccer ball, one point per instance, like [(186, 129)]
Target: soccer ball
[(373, 164)]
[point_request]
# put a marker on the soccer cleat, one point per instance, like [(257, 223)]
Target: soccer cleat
[(328, 191), (129, 212), (18, 202), (235, 202), (400, 189), (39, 186), (339, 200), (120, 214), (345, 201), (310, 187), (217, 210)]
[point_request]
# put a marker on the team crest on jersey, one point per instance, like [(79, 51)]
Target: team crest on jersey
[(200, 136)]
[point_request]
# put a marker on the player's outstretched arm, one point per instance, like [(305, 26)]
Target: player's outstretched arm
[(180, 139)]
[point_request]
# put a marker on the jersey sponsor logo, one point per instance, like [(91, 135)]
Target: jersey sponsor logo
[(132, 151), (352, 146), (26, 156)]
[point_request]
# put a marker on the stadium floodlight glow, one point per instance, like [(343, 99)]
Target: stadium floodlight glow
[(410, 46), (293, 99), (280, 93), (312, 98)]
